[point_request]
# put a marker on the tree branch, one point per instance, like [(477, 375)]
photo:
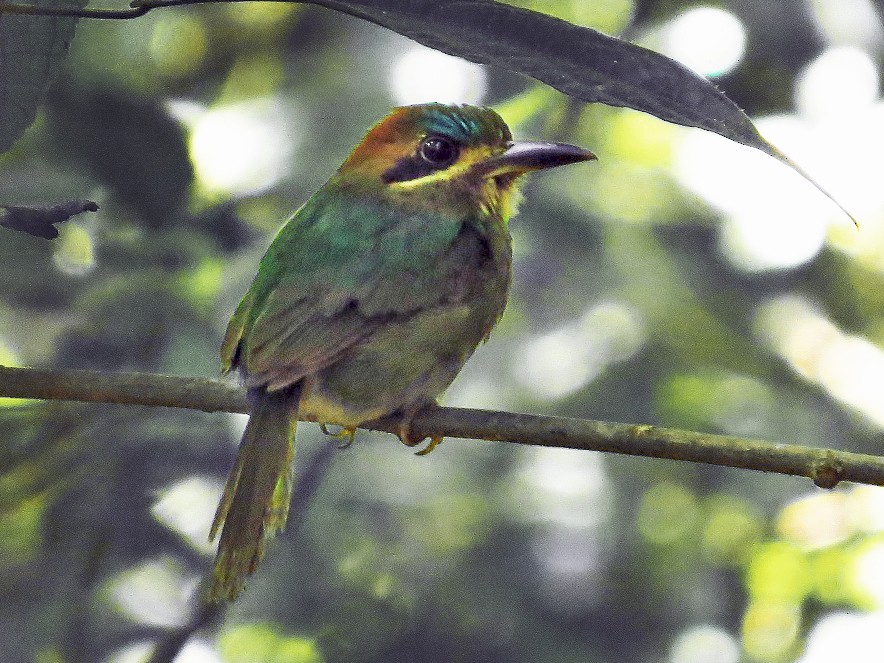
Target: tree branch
[(71, 12), (136, 8), (826, 467)]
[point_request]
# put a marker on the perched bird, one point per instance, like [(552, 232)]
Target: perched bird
[(370, 299)]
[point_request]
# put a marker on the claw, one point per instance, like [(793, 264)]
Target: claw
[(347, 434), (403, 432), (435, 440)]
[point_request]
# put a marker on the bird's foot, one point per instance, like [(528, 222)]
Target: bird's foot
[(405, 435), (346, 435)]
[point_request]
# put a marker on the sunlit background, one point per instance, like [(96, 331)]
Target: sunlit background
[(683, 280)]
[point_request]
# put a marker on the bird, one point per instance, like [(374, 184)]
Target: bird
[(370, 300)]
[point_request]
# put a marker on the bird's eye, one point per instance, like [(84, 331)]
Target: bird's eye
[(438, 151)]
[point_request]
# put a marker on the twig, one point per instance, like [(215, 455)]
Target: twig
[(139, 8), (826, 467), (136, 8), (71, 12)]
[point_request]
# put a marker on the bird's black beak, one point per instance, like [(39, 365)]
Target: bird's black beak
[(523, 157)]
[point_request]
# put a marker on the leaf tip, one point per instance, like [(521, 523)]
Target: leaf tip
[(784, 158)]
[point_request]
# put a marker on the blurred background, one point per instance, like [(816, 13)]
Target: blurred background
[(682, 280)]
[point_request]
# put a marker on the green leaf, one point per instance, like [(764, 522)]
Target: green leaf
[(581, 62), (31, 51)]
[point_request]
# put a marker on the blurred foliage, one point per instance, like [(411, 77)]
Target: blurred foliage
[(636, 298)]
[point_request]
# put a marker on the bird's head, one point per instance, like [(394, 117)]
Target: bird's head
[(451, 154)]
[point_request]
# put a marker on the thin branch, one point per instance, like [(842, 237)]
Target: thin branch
[(136, 8), (71, 12), (123, 388), (141, 7), (826, 467)]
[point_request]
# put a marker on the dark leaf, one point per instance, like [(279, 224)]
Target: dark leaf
[(31, 50), (40, 221), (578, 61)]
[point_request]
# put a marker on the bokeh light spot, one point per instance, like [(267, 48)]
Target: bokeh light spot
[(830, 568), (866, 508), (838, 81), (422, 74), (667, 513), (561, 486), (178, 44), (449, 523), (770, 631), (567, 496), (156, 593), (773, 217), (732, 528), (263, 18), (254, 75), (74, 251), (243, 148), (845, 637), (850, 368), (562, 361), (866, 575), (572, 563), (203, 284), (854, 22), (779, 572), (187, 507), (754, 242), (705, 644), (815, 521), (709, 40), (263, 642)]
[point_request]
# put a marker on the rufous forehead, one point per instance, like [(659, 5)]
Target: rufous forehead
[(388, 140), (399, 126)]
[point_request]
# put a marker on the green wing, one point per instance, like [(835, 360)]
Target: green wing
[(339, 269)]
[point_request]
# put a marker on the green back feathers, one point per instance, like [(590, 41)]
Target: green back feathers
[(337, 249)]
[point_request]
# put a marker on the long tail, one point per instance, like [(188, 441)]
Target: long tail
[(256, 498)]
